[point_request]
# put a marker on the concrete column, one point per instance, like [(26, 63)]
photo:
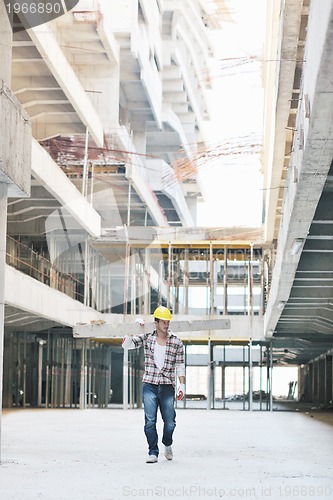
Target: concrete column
[(328, 378), (186, 280), (316, 381), (250, 377), (211, 383), (139, 137), (3, 229), (211, 278), (169, 278), (83, 377), (6, 39), (310, 383), (125, 380), (271, 377), (146, 282), (321, 380), (225, 282)]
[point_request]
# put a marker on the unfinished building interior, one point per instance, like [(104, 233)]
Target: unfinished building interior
[(101, 145)]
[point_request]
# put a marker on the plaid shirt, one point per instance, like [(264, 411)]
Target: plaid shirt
[(174, 355)]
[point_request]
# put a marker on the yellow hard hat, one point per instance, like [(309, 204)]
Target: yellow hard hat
[(162, 312)]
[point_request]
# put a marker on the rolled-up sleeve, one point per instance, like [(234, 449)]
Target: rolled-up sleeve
[(132, 342), (180, 360), (180, 370)]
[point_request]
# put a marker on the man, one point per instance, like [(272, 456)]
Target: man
[(164, 354)]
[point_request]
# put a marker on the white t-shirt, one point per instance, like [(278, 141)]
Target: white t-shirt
[(159, 355)]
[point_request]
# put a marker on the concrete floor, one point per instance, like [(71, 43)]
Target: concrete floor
[(100, 454)]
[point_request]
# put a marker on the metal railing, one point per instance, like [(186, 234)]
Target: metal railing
[(32, 263)]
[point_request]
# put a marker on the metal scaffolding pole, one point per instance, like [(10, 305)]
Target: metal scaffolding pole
[(211, 278), (47, 375), (92, 183), (86, 274), (244, 377), (210, 399), (125, 379), (83, 377), (223, 378), (25, 339), (169, 275), (176, 309), (133, 284), (146, 282), (225, 282), (250, 377), (85, 165), (262, 279), (129, 203), (271, 377), (39, 373), (160, 281), (126, 275), (186, 280), (251, 311), (260, 374)]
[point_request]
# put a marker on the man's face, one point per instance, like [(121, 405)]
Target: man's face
[(162, 325)]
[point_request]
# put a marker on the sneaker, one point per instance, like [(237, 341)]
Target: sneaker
[(152, 459), (168, 452)]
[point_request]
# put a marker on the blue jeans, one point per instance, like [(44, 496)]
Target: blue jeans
[(158, 396)]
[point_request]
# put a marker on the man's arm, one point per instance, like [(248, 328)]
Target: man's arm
[(180, 370), (127, 342), (132, 342)]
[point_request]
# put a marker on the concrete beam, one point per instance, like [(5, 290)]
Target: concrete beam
[(15, 144), (43, 132), (165, 180), (22, 84), (134, 172), (55, 181), (49, 48), (278, 107), (105, 330), (187, 327), (28, 294)]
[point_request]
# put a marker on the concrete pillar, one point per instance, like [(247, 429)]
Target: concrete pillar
[(125, 380), (211, 382), (192, 204), (321, 380), (3, 229), (6, 39), (186, 279), (250, 377), (316, 381), (328, 378), (225, 282), (169, 274), (139, 137), (83, 376), (146, 282), (271, 377), (310, 382), (211, 278)]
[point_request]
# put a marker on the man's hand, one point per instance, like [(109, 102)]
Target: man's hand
[(181, 392), (140, 321)]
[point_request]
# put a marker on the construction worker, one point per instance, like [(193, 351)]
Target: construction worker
[(164, 354)]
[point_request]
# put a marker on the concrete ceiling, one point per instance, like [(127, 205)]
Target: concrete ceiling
[(307, 315), (299, 316)]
